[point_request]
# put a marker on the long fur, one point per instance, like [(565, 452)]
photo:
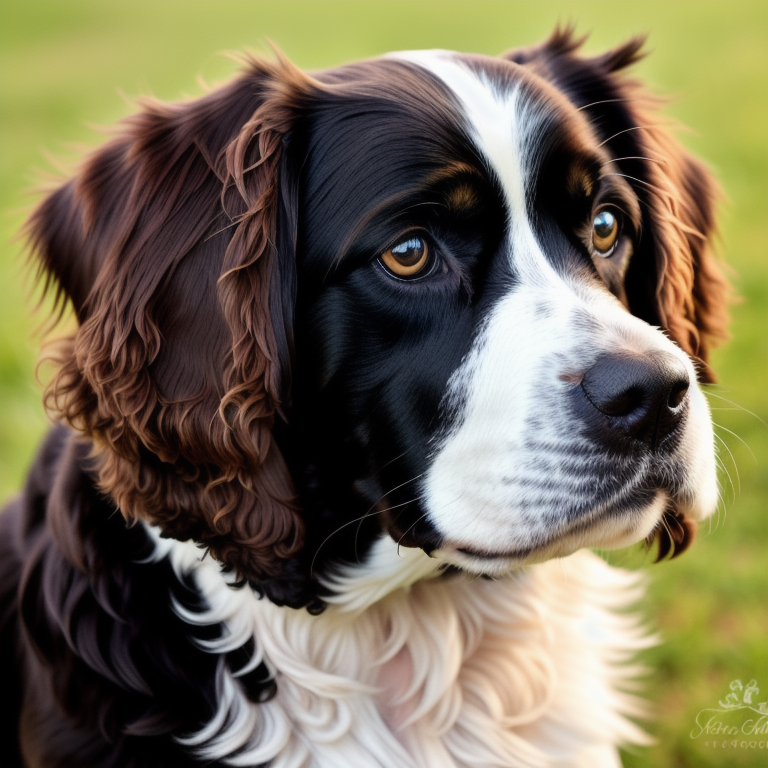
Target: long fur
[(300, 510)]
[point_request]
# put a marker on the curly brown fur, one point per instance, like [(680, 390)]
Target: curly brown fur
[(179, 365)]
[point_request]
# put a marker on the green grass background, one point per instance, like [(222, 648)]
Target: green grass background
[(68, 65)]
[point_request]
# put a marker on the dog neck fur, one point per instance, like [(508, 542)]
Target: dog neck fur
[(410, 669)]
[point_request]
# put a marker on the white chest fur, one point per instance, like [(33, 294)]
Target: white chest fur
[(410, 669)]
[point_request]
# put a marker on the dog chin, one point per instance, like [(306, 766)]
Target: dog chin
[(614, 532)]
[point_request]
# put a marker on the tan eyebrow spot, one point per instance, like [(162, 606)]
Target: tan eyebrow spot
[(454, 182), (451, 170), (579, 182), (462, 198)]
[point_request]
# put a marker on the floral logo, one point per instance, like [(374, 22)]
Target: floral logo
[(742, 696)]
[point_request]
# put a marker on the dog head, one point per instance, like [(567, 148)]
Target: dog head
[(459, 300)]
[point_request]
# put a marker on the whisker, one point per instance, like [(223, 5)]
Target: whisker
[(401, 504), (603, 101), (739, 438), (383, 466), (721, 464), (397, 487), (634, 178), (378, 512), (433, 203), (735, 466), (421, 518), (736, 407), (722, 506), (360, 519), (392, 461), (405, 532), (660, 161), (626, 130), (333, 533)]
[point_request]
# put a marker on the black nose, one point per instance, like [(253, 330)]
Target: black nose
[(643, 396)]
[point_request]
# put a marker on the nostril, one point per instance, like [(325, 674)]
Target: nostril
[(642, 395), (678, 392)]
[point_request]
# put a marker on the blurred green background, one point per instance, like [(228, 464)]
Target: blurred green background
[(66, 66)]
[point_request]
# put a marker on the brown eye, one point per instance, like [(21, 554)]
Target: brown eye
[(407, 258), (605, 230)]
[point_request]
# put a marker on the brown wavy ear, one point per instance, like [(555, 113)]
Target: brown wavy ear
[(687, 292), (173, 246), (673, 280)]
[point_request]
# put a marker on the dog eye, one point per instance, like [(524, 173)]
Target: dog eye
[(605, 230), (407, 258)]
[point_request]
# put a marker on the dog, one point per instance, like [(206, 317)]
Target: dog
[(365, 361)]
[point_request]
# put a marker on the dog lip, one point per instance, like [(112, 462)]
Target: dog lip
[(488, 555), (549, 545)]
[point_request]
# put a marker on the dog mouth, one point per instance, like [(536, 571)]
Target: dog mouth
[(659, 524), (671, 535), (645, 511), (480, 554)]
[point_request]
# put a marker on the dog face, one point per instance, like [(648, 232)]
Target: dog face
[(460, 301)]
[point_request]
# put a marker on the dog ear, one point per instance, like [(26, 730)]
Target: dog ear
[(673, 280), (675, 276), (174, 244)]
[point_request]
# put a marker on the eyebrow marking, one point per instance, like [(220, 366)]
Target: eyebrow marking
[(581, 181), (492, 117), (458, 182), (505, 126), (463, 198), (452, 170)]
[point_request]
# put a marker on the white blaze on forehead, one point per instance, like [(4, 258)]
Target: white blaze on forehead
[(504, 124)]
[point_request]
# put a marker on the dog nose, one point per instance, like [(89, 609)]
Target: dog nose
[(643, 396)]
